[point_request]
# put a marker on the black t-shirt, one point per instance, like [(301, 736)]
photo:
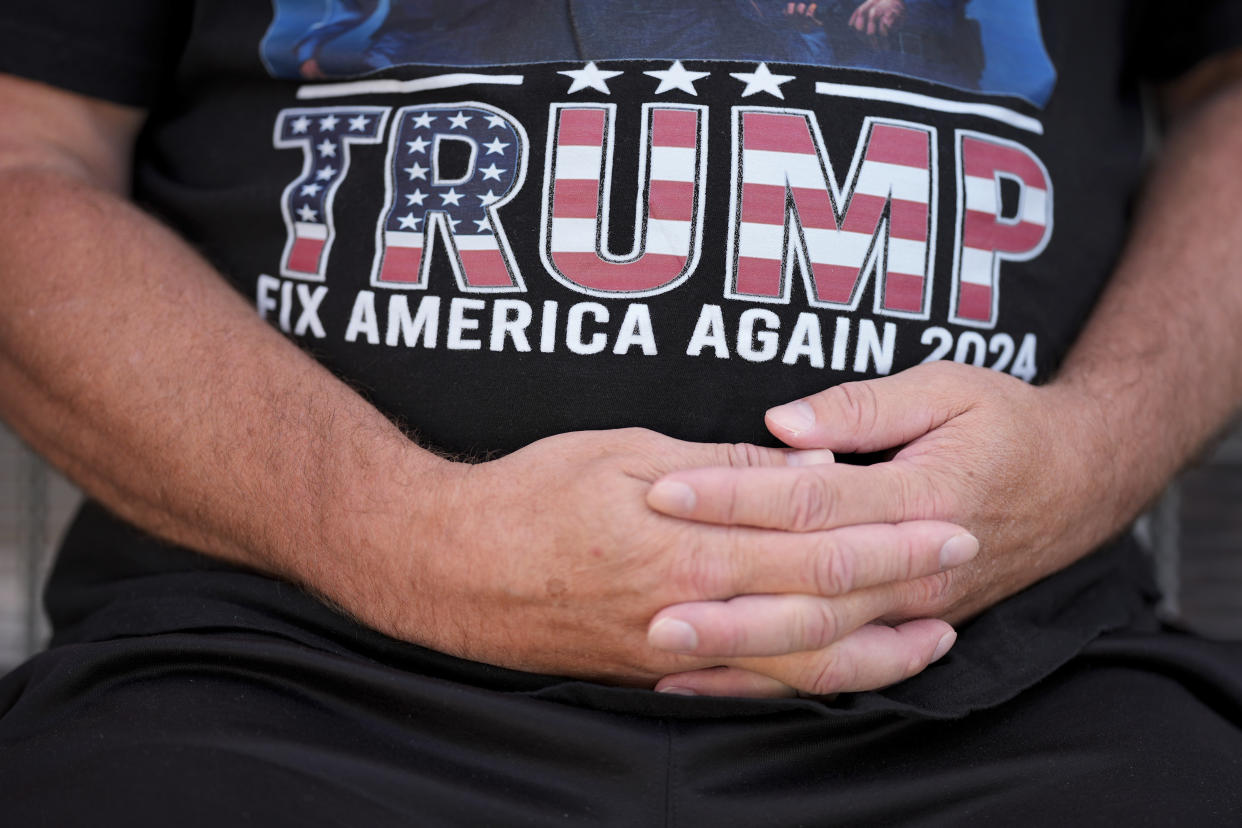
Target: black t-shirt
[(502, 221), (567, 237)]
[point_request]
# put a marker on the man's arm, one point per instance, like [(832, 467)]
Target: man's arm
[(131, 365), (1041, 475), (134, 367)]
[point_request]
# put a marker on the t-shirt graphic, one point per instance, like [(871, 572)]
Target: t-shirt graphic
[(502, 221), (992, 46)]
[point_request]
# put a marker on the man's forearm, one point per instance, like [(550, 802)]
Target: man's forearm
[(133, 366), (1160, 361)]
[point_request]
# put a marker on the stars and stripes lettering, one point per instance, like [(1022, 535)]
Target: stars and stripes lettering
[(576, 246), (427, 202), (787, 207), (860, 240), (986, 236), (324, 134)]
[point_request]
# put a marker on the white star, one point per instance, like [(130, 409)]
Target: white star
[(408, 222), (306, 213), (676, 77), (300, 125), (327, 148), (311, 189), (423, 120), (494, 121), (496, 147), (453, 224), (589, 76), (416, 197), (459, 120), (761, 80), (417, 171), (326, 173), (359, 124), (329, 123), (417, 145), (451, 197), (493, 172), (488, 200), (483, 224)]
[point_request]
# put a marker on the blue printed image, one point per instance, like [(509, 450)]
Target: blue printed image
[(989, 46)]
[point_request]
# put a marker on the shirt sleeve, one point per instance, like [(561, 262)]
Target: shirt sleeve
[(124, 51), (1171, 37)]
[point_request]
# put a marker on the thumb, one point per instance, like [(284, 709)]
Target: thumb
[(872, 415)]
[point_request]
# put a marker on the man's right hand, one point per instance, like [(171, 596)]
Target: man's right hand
[(549, 560)]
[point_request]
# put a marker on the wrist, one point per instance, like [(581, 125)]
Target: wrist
[(378, 521), (1099, 463)]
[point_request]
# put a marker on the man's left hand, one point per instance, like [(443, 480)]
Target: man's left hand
[(1025, 469)]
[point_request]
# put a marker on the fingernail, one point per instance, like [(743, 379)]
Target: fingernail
[(677, 691), (958, 549), (672, 497), (795, 417), (813, 457), (673, 635), (943, 647)]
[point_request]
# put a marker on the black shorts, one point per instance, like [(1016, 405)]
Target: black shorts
[(182, 692)]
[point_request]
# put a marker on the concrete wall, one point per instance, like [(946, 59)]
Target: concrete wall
[(1211, 542), (35, 506)]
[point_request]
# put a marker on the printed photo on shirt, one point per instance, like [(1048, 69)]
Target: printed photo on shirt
[(988, 46)]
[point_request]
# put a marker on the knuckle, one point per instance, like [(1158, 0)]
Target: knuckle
[(643, 450), (833, 570), (906, 497), (632, 436), (857, 406), (818, 627), (637, 655), (927, 594), (920, 497), (829, 675), (731, 504), (913, 553), (811, 503), (744, 455), (942, 501), (729, 640), (697, 575)]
